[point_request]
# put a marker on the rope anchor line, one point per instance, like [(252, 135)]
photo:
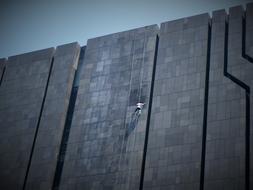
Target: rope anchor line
[(134, 119), (129, 128)]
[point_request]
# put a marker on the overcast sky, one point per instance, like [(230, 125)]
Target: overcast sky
[(28, 25)]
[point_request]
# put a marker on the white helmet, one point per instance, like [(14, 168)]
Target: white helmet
[(140, 105)]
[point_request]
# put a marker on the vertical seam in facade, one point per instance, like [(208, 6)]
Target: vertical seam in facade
[(2, 76), (66, 130), (204, 130), (149, 117), (247, 95), (38, 124), (247, 131), (65, 137)]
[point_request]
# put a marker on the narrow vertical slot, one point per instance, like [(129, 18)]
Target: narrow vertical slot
[(149, 116), (68, 122), (247, 141), (38, 124), (2, 76), (247, 95), (204, 130), (247, 131)]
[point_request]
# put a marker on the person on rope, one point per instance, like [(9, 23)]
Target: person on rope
[(139, 107), (134, 118)]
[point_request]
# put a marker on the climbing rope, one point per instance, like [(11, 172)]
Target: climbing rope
[(137, 112), (134, 117), (125, 125)]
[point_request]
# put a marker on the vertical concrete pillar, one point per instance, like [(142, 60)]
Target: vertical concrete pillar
[(175, 139), (47, 144), (21, 97), (116, 75)]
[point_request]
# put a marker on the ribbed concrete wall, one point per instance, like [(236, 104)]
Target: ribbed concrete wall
[(116, 75), (227, 115), (46, 150), (174, 147), (67, 118), (21, 96)]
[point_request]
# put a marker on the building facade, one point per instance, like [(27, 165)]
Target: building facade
[(69, 117)]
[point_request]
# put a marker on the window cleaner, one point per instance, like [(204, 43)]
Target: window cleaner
[(139, 107), (134, 119)]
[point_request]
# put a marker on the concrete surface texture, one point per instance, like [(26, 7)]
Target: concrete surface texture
[(67, 114)]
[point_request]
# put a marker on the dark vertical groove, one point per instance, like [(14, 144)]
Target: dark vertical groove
[(247, 131), (204, 130), (149, 117), (2, 76), (65, 137), (247, 95), (244, 54), (247, 141), (67, 125), (38, 124)]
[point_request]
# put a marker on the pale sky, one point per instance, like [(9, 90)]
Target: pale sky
[(29, 25)]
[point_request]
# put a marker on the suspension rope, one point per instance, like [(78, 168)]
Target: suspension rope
[(139, 101), (125, 123)]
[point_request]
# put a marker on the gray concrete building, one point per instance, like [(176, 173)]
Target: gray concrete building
[(70, 118)]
